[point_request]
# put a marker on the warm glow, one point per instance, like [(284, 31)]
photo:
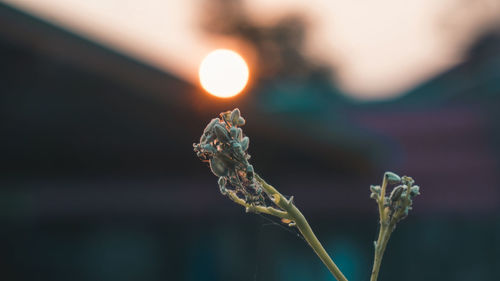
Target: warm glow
[(223, 73)]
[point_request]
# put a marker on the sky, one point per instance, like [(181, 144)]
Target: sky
[(379, 49)]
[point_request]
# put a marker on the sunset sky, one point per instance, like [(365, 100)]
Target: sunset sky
[(379, 48)]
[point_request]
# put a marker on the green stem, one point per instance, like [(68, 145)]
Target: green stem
[(300, 221), (256, 209), (380, 246)]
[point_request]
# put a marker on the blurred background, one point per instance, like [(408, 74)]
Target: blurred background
[(100, 104)]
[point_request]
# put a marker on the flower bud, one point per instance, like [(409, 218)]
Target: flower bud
[(396, 193), (221, 133), (245, 142), (241, 121), (392, 178), (208, 148), (250, 172), (210, 125), (222, 185), (218, 167), (375, 189), (414, 190), (407, 180), (235, 116), (237, 147), (234, 133)]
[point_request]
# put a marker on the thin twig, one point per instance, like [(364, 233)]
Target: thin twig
[(300, 221)]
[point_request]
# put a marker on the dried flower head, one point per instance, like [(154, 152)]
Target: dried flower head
[(225, 147)]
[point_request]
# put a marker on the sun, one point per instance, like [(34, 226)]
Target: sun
[(223, 73)]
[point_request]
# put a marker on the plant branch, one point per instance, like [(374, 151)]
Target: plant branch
[(300, 221), (392, 209), (380, 246)]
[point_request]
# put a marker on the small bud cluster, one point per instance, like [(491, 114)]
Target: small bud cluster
[(399, 201), (225, 147)]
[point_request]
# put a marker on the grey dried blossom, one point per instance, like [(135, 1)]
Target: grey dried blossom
[(224, 146)]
